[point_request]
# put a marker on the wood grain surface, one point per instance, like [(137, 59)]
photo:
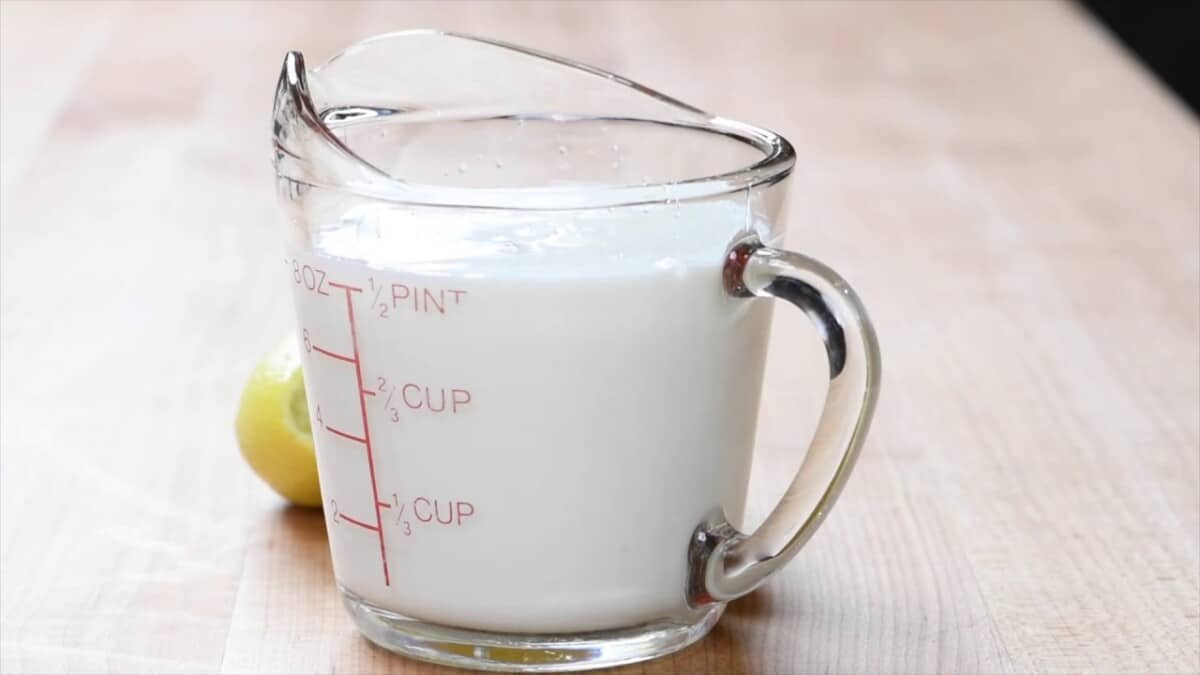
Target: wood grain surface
[(1017, 201)]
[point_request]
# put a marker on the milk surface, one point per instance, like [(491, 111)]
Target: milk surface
[(552, 404)]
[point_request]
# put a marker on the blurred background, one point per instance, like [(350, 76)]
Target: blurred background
[(1012, 187)]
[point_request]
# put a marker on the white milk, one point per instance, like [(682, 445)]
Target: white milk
[(554, 404)]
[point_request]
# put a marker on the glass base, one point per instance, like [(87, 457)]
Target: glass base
[(515, 652)]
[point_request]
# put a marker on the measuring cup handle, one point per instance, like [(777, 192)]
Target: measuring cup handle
[(725, 563)]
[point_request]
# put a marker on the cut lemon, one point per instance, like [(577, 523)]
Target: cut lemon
[(273, 428)]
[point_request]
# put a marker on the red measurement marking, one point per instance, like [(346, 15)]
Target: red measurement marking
[(384, 505), (368, 392), (339, 432), (362, 406), (339, 357), (359, 523)]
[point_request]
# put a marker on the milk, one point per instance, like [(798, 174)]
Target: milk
[(553, 404)]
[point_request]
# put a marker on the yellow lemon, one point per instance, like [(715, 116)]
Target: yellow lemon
[(273, 428)]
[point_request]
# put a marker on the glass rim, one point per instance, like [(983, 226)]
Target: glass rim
[(777, 160)]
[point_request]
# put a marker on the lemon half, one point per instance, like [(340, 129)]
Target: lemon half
[(273, 428)]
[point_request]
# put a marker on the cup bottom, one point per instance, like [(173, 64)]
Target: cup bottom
[(516, 652)]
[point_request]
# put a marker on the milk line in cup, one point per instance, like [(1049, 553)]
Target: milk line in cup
[(414, 513), (406, 395), (419, 299), (388, 298), (317, 286), (417, 397), (393, 397)]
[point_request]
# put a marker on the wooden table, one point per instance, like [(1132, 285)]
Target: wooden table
[(1015, 198)]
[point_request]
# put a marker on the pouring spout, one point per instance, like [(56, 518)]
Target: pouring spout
[(292, 104), (306, 150)]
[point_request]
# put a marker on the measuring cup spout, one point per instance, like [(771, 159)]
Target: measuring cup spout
[(307, 152)]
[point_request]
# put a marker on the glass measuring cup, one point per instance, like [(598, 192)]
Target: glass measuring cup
[(533, 299)]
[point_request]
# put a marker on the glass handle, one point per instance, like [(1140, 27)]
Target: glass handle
[(725, 563)]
